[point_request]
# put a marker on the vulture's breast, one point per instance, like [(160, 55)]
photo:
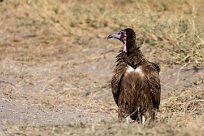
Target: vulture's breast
[(138, 70)]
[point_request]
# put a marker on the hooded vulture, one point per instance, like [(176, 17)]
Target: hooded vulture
[(135, 83)]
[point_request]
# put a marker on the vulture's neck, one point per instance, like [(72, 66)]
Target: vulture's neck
[(133, 57)]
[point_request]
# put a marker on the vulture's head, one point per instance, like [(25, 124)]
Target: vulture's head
[(127, 36)]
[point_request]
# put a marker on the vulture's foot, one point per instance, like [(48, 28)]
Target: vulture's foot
[(128, 119), (143, 119)]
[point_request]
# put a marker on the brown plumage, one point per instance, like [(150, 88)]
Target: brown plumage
[(135, 83)]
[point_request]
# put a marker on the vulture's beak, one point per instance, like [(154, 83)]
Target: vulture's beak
[(116, 36), (120, 36)]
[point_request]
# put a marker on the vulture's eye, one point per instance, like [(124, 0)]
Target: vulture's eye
[(123, 34)]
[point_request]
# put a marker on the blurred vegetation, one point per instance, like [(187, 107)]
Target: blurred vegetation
[(173, 28)]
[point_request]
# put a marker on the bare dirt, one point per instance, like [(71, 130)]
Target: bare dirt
[(50, 75)]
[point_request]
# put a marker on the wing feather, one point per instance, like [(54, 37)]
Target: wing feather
[(154, 83), (119, 72)]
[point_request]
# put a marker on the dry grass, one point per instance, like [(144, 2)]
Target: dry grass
[(45, 43), (181, 115)]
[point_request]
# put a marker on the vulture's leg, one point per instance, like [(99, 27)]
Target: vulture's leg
[(122, 116), (128, 119), (147, 117), (143, 119)]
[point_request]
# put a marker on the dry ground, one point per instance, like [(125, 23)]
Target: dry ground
[(56, 65)]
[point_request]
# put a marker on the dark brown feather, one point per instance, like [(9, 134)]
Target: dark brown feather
[(136, 94)]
